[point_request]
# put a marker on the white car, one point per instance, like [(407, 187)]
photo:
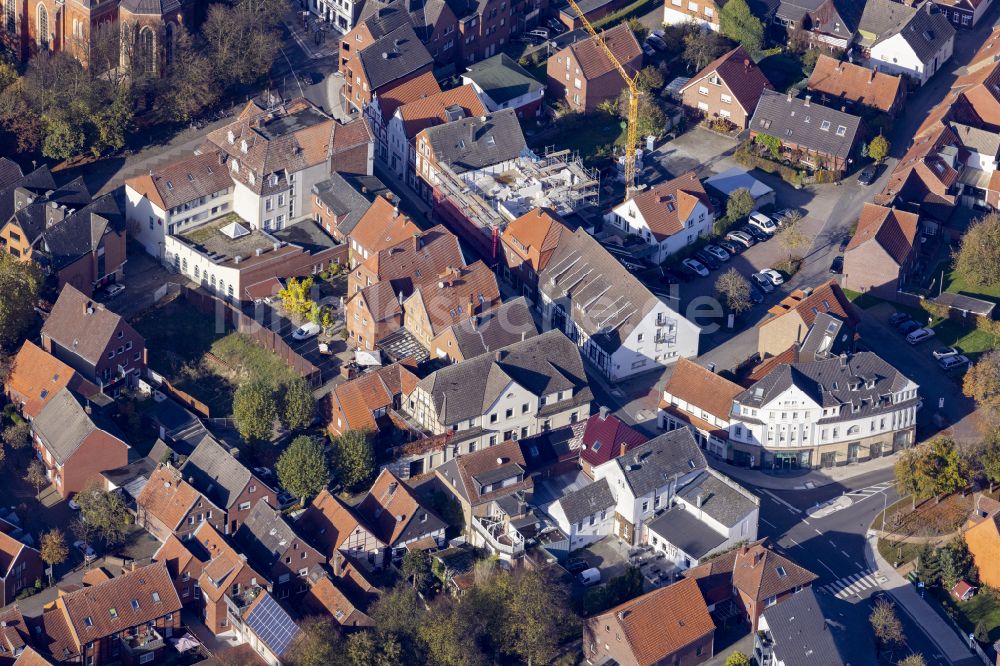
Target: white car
[(306, 331), (763, 222), (739, 237), (952, 362), (944, 352), (919, 335), (696, 266), (73, 505), (88, 552), (717, 252), (773, 275)]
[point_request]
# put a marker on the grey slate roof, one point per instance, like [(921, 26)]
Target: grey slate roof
[(81, 233), (63, 424), (606, 300), (686, 532), (543, 365), (468, 144), (792, 121), (654, 464), (35, 183), (502, 78), (828, 335), (884, 17), (846, 13), (586, 501), (926, 33), (264, 536), (863, 380), (496, 328), (348, 197), (719, 500), (214, 471), (800, 632), (394, 55), (153, 7), (306, 234)]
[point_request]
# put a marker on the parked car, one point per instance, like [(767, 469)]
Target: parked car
[(762, 283), (944, 352), (756, 297), (285, 500), (774, 276), (648, 50), (908, 326), (85, 550), (306, 331), (869, 174), (717, 252), (540, 33), (783, 215), (114, 290), (837, 266), (758, 235), (732, 247), (707, 259), (590, 577), (919, 335), (576, 565), (953, 362), (73, 505), (656, 42), (742, 238), (695, 266), (844, 242), (763, 222), (897, 318)]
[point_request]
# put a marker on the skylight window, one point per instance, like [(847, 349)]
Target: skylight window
[(135, 604), (156, 597), (113, 612), (596, 447), (841, 130), (825, 125), (89, 621), (781, 572)]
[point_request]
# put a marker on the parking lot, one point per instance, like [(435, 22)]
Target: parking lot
[(329, 364)]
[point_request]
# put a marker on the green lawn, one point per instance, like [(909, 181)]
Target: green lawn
[(251, 360), (984, 607), (972, 342), (898, 553), (956, 285), (584, 133)]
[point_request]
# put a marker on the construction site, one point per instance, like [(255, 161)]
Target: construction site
[(480, 203)]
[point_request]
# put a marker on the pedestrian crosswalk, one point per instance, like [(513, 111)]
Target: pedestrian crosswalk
[(864, 493), (848, 586)]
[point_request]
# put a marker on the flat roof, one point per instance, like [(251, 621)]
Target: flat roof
[(308, 235), (293, 122), (209, 239)]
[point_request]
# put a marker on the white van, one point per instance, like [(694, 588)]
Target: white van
[(763, 222), (590, 577)]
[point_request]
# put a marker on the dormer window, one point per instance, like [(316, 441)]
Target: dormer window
[(230, 137), (88, 621), (243, 146)]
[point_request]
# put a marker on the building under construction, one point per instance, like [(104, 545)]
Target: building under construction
[(478, 204)]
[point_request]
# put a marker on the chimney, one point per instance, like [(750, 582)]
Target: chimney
[(604, 413), (843, 360), (806, 103), (524, 336), (498, 356), (747, 64), (472, 305), (698, 501), (789, 95), (395, 211), (871, 75), (744, 549), (623, 448)]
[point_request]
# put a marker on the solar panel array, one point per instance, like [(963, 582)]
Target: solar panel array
[(272, 625)]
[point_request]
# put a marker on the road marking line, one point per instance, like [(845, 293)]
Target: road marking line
[(795, 542), (845, 554), (827, 568), (831, 543), (768, 522), (817, 531), (781, 501), (806, 521)]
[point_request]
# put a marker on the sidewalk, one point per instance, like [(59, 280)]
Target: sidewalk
[(803, 479), (907, 598)]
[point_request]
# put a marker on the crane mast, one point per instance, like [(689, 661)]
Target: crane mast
[(632, 138)]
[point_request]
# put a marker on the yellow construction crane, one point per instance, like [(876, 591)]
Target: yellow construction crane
[(633, 102)]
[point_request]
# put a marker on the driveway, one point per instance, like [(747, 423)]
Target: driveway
[(328, 364)]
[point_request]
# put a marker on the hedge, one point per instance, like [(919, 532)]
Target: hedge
[(638, 8), (747, 158)]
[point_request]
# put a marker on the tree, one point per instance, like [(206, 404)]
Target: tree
[(955, 562), (36, 475), (701, 48), (354, 458), (53, 549), (772, 143), (910, 479), (538, 616), (189, 86), (738, 23), (106, 512), (416, 568), (17, 436), (399, 614), (638, 29), (298, 407), (650, 120), (793, 238), (943, 465), (990, 459), (982, 384), (735, 288), (254, 410), (878, 148), (317, 645), (978, 259), (242, 40), (297, 296), (303, 469), (886, 625), (374, 648), (981, 633), (740, 204), (737, 659), (650, 80), (19, 285), (915, 659)]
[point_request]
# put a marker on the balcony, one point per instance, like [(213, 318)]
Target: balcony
[(237, 603), (500, 536), (147, 641)]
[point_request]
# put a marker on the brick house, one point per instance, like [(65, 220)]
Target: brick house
[(702, 401), (338, 533), (20, 566), (507, 323), (460, 292), (605, 437), (702, 12), (339, 202), (729, 87), (528, 243), (184, 567), (119, 620), (364, 402), (790, 319), (882, 252), (670, 625), (36, 376), (170, 505), (76, 443), (380, 53), (836, 82), (225, 481), (94, 341), (396, 516), (273, 546), (582, 76), (381, 227), (75, 239)]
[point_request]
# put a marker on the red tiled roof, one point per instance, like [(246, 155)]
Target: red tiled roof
[(534, 233), (389, 507), (416, 88), (605, 437), (846, 80), (457, 295), (323, 595), (168, 497), (432, 110), (382, 226), (667, 207), (36, 376), (760, 573), (702, 388), (359, 398), (828, 297), (594, 62), (29, 657), (328, 522), (741, 76), (894, 230)]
